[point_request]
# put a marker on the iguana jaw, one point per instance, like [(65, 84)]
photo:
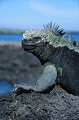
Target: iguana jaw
[(27, 46)]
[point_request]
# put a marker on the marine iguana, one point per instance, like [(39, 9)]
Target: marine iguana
[(59, 55)]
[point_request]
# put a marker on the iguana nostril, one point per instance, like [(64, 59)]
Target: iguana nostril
[(25, 40)]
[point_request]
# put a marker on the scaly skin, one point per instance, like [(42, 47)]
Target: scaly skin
[(63, 60)]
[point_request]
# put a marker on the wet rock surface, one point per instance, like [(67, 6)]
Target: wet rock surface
[(18, 66)]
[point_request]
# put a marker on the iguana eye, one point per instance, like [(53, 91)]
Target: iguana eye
[(37, 39)]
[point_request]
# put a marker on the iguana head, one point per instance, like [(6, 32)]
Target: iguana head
[(32, 39), (39, 42), (34, 42), (42, 42)]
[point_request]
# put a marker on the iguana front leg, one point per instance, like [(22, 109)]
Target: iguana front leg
[(46, 80)]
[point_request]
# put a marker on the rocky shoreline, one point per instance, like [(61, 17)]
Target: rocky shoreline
[(18, 66)]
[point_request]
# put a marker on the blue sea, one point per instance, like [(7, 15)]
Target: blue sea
[(11, 37), (18, 37), (5, 87)]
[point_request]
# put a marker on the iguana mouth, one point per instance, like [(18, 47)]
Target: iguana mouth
[(28, 45)]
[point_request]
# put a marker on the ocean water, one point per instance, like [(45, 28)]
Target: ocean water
[(18, 37), (73, 36), (11, 37), (5, 87)]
